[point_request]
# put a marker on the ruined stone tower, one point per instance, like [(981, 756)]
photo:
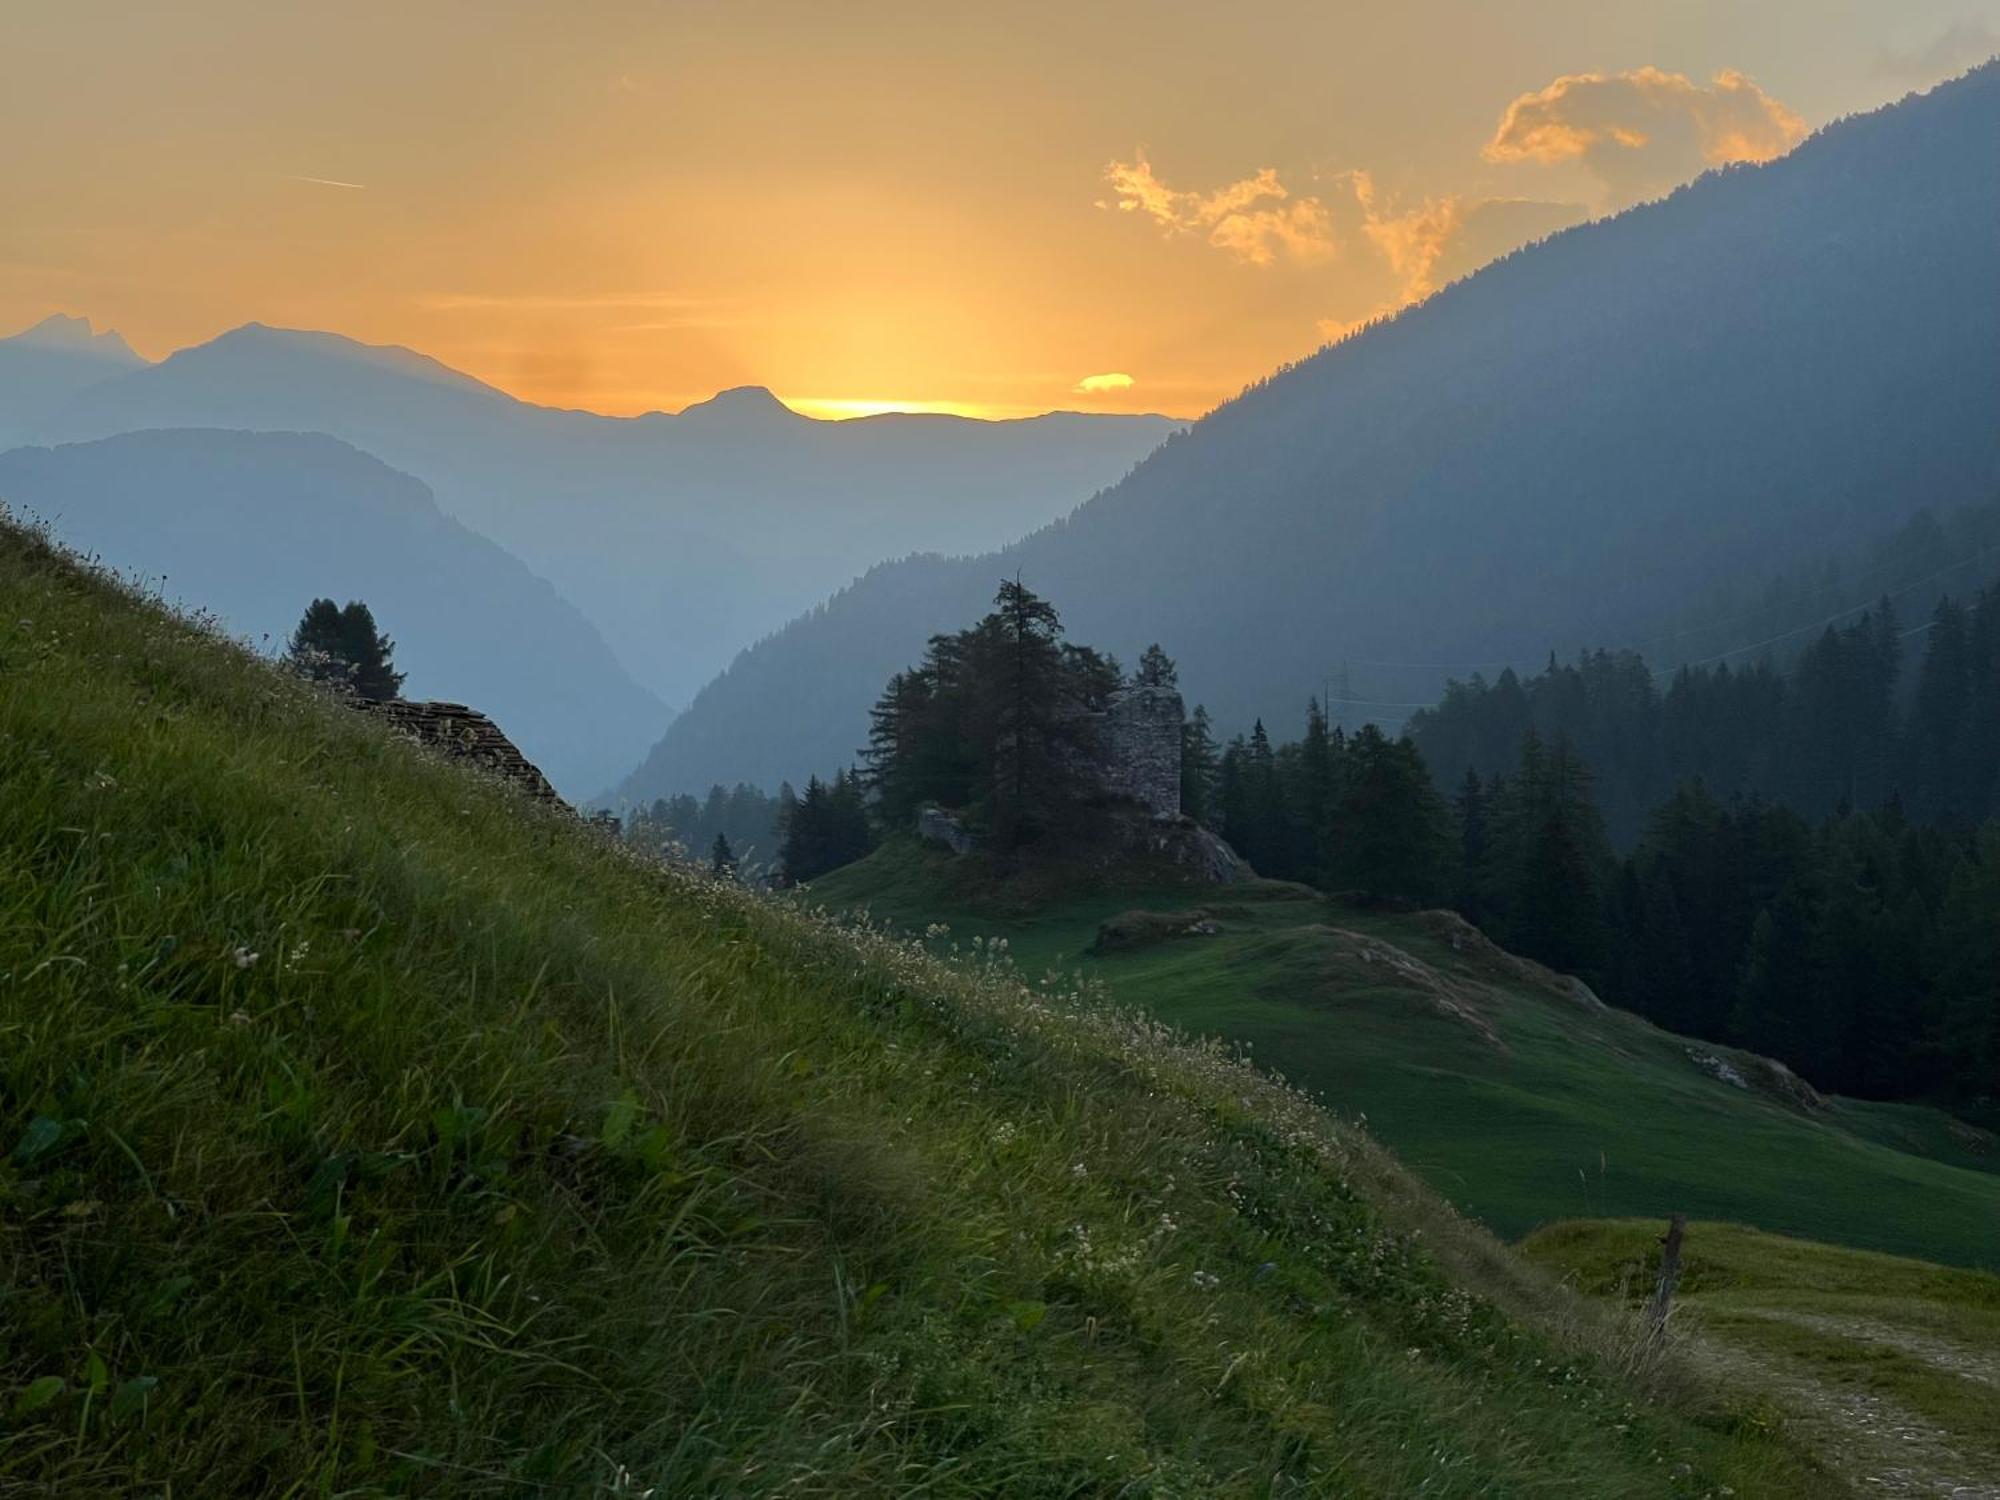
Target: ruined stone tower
[(1140, 739)]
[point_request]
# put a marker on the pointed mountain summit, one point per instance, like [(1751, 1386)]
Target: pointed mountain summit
[(44, 367), (62, 333), (741, 406)]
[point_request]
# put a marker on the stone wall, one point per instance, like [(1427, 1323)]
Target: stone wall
[(464, 734), (1140, 740)]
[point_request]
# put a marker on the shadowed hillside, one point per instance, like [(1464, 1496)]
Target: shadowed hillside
[(371, 1133), (1560, 452), (254, 526)]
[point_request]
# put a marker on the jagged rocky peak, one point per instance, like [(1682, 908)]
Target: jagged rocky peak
[(75, 335)]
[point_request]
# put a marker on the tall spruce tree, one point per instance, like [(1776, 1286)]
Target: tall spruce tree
[(1199, 767), (1388, 833)]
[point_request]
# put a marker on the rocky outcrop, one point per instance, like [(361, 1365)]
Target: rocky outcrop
[(936, 826), (464, 734), (1132, 930), (1180, 841)]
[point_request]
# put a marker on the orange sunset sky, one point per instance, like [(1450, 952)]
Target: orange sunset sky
[(990, 209)]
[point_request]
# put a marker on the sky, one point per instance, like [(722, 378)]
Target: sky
[(988, 209)]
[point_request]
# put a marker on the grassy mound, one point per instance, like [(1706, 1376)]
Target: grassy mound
[(365, 1131), (1511, 1089)]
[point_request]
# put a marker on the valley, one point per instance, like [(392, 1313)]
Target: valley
[(1053, 753)]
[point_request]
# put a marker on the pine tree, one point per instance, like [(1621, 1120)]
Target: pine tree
[(1199, 767), (1475, 840), (1967, 1029), (344, 647), (1388, 833), (1935, 775), (1776, 1002), (1553, 851), (1318, 785), (1156, 669), (1021, 693), (721, 858)]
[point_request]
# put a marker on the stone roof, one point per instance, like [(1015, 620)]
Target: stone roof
[(465, 734)]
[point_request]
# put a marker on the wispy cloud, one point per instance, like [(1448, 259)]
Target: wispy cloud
[(562, 301), (1956, 48), (1441, 239), (1091, 385), (1643, 131), (332, 182), (1413, 241), (1256, 219)]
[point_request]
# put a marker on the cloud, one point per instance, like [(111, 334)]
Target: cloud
[(1412, 242), (334, 182), (1256, 219), (560, 302), (1644, 131), (1091, 385), (1441, 239), (1961, 45)]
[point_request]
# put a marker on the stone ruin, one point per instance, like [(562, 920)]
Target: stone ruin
[(464, 734), (1139, 748)]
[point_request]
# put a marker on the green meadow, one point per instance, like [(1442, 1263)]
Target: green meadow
[(1516, 1097), (364, 1131)]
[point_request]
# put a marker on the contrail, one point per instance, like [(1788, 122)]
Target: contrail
[(328, 182)]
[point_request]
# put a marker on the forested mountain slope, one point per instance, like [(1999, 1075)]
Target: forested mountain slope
[(1557, 453), (369, 1132)]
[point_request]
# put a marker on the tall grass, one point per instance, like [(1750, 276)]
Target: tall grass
[(367, 1131)]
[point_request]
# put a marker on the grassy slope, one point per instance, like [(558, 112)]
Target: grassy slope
[(1893, 1363), (1563, 1111), (363, 1132)]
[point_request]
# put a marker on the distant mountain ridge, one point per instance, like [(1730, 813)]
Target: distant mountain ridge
[(255, 525), (45, 366), (1558, 452), (681, 536)]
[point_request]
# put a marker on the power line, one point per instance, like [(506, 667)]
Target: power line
[(1830, 619)]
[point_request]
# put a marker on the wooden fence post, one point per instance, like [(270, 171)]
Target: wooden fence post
[(1670, 1275)]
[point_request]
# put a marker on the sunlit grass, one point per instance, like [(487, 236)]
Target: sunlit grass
[(367, 1131)]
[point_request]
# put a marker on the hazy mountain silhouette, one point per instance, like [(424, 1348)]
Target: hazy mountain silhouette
[(1561, 451), (255, 525), (681, 536), (42, 367)]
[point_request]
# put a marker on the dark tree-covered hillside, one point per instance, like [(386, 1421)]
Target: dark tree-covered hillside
[(1570, 448)]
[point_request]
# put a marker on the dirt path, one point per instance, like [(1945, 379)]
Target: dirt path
[(1945, 1354), (1882, 1447)]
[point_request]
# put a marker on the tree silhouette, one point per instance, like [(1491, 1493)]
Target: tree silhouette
[(344, 647)]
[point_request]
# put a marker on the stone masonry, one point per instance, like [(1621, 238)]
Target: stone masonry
[(1139, 738), (465, 734)]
